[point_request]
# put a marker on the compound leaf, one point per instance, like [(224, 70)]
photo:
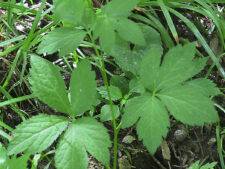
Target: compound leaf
[(83, 88), (153, 123), (48, 85), (83, 135), (65, 39), (189, 105), (36, 134)]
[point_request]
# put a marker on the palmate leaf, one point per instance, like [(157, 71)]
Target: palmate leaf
[(37, 133), (64, 40), (48, 85), (82, 88), (83, 135), (153, 123), (166, 87)]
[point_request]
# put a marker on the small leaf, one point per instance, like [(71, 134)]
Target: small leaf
[(36, 134), (119, 8), (19, 163), (70, 11), (48, 85), (83, 88), (128, 139), (3, 157), (65, 39), (83, 135), (136, 86), (121, 82), (106, 113), (115, 92), (133, 34), (189, 105), (206, 86)]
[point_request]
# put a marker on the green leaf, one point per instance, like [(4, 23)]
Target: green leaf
[(136, 86), (18, 163), (153, 123), (107, 35), (48, 85), (121, 82), (106, 113), (65, 39), (133, 34), (119, 8), (130, 60), (83, 88), (115, 92), (83, 135), (149, 73), (189, 105), (205, 86), (70, 11), (3, 157), (178, 65), (36, 134)]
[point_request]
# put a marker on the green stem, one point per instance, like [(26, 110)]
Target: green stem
[(219, 145), (105, 80)]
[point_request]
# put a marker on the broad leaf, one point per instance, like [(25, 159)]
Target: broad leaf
[(83, 88), (64, 40), (83, 135), (153, 123), (36, 134), (48, 85), (189, 105), (205, 86)]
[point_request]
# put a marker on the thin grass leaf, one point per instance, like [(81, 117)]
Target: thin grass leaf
[(169, 20)]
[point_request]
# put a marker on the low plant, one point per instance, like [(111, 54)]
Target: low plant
[(153, 86)]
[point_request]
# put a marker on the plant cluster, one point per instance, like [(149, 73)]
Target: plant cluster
[(157, 80)]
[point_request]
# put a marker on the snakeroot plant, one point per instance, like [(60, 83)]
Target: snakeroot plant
[(158, 86)]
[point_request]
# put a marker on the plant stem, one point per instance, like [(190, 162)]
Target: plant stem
[(105, 80)]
